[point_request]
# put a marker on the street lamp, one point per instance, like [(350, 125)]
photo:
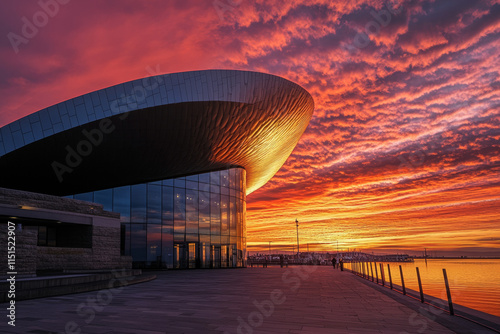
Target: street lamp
[(298, 249)]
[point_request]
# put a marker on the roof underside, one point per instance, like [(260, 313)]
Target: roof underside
[(254, 122)]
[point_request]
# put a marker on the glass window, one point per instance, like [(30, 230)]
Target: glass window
[(215, 214), (192, 185), (224, 256), (168, 203), (215, 178), (42, 235), (192, 178), (204, 212), (232, 176), (244, 180), (224, 218), (154, 204), (204, 178), (138, 203), (239, 210), (154, 245), (125, 239), (214, 188), (51, 236), (87, 197), (121, 203), (204, 186), (138, 242), (167, 246), (179, 214), (179, 204), (191, 211), (237, 179), (179, 183), (205, 251), (169, 182), (224, 178), (232, 216), (104, 197)]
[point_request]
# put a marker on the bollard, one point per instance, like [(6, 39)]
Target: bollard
[(390, 277), (376, 273), (402, 280), (448, 293), (420, 286), (382, 274), (371, 269), (364, 272)]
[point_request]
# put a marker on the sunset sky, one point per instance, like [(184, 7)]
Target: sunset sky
[(403, 148)]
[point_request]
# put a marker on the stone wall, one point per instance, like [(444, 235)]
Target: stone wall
[(78, 220), (43, 201), (26, 250), (104, 254)]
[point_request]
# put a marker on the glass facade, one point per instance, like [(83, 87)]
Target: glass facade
[(197, 221)]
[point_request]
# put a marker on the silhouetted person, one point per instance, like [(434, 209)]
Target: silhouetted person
[(334, 262), (341, 263)]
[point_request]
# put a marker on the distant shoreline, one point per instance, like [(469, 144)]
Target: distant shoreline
[(455, 258)]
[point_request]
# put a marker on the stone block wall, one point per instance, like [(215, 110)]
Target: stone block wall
[(26, 250), (104, 254)]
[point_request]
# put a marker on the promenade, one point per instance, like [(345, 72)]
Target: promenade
[(302, 299)]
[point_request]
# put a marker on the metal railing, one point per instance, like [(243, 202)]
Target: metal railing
[(365, 270), (358, 268)]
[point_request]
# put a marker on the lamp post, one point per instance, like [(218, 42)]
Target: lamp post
[(298, 249)]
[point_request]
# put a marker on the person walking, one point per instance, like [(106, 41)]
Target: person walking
[(341, 263), (334, 262)]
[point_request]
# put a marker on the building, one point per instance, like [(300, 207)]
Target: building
[(175, 155)]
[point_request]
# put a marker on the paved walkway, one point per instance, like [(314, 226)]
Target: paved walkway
[(253, 300)]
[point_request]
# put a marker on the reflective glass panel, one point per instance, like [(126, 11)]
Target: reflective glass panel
[(121, 202), (138, 203), (224, 218), (138, 242), (154, 204), (215, 178), (154, 245), (191, 211), (204, 178), (168, 203), (215, 214), (104, 197), (204, 212)]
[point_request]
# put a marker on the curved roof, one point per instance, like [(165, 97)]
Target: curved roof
[(157, 128)]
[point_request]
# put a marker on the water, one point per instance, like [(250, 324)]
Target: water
[(473, 283)]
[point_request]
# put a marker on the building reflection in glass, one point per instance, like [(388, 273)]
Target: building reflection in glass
[(196, 221)]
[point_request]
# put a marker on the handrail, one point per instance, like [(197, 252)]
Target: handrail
[(357, 268)]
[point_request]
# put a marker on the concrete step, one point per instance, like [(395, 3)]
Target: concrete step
[(46, 286)]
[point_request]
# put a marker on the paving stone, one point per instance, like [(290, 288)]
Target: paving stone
[(253, 300)]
